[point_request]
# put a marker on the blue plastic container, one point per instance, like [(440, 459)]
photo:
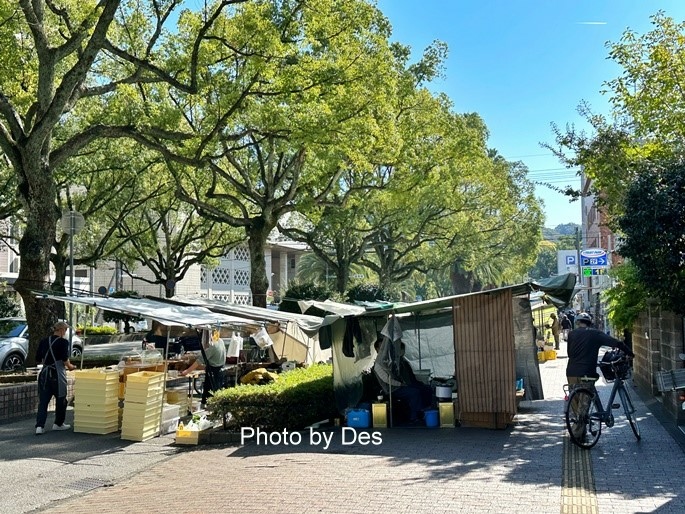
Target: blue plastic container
[(432, 418), (358, 418)]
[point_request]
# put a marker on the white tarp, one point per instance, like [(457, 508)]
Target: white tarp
[(297, 338), (291, 340), (165, 313), (308, 324)]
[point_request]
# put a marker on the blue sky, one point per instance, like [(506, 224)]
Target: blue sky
[(523, 64)]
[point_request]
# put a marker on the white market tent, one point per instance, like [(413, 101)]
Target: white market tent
[(297, 337), (167, 314)]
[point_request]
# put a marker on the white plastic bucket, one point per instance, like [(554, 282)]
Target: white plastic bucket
[(443, 392)]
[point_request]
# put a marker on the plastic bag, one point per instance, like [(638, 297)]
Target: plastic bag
[(204, 423), (262, 338), (234, 346)]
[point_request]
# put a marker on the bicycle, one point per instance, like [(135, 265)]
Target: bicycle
[(584, 412)]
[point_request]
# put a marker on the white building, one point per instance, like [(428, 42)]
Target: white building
[(228, 281), (9, 254)]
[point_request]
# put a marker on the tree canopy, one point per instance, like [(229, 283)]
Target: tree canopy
[(653, 226), (164, 125), (634, 158)]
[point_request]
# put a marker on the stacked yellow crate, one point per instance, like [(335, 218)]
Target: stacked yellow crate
[(96, 402), (142, 405)]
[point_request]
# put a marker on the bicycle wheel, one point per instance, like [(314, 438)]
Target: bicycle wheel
[(629, 409), (582, 419)]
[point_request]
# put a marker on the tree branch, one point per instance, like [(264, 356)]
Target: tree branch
[(76, 75)]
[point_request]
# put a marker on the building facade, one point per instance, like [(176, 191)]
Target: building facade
[(229, 280)]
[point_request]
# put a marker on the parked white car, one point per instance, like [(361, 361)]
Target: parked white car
[(14, 343)]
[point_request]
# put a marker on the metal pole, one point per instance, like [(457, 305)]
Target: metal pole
[(581, 279), (72, 229)]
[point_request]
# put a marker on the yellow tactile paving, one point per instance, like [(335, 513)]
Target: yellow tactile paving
[(578, 485)]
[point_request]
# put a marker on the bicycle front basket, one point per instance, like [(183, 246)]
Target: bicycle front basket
[(606, 366)]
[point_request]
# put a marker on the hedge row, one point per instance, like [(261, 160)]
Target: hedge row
[(296, 400)]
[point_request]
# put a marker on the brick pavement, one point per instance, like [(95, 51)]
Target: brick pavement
[(518, 470)]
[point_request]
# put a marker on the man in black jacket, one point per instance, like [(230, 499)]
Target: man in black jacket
[(584, 343)]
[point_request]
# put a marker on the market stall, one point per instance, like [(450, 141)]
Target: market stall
[(481, 342), (146, 369)]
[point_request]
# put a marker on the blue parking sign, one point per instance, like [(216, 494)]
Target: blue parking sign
[(571, 259)]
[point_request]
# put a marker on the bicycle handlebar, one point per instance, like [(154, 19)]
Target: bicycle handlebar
[(624, 357)]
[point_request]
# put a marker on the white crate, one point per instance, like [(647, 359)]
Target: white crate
[(171, 412), (170, 426)]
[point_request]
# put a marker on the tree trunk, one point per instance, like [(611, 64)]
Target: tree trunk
[(60, 261), (462, 281), (37, 193), (342, 277), (259, 282)]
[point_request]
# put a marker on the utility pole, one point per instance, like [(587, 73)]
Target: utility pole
[(580, 269)]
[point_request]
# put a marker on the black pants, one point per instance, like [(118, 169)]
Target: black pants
[(46, 390), (214, 380)]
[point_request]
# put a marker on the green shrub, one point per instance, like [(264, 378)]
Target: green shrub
[(98, 330), (303, 291), (367, 292), (8, 304), (296, 400)]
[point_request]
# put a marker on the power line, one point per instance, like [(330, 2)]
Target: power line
[(530, 155), (566, 170)]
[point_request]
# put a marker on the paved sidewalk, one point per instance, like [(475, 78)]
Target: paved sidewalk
[(520, 470)]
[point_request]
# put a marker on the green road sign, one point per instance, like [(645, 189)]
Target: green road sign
[(589, 272)]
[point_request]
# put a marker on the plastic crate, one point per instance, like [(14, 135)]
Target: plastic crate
[(169, 426), (144, 395), (176, 397), (139, 435), (170, 411), (147, 377), (103, 418), (191, 437), (95, 429), (96, 374), (82, 407)]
